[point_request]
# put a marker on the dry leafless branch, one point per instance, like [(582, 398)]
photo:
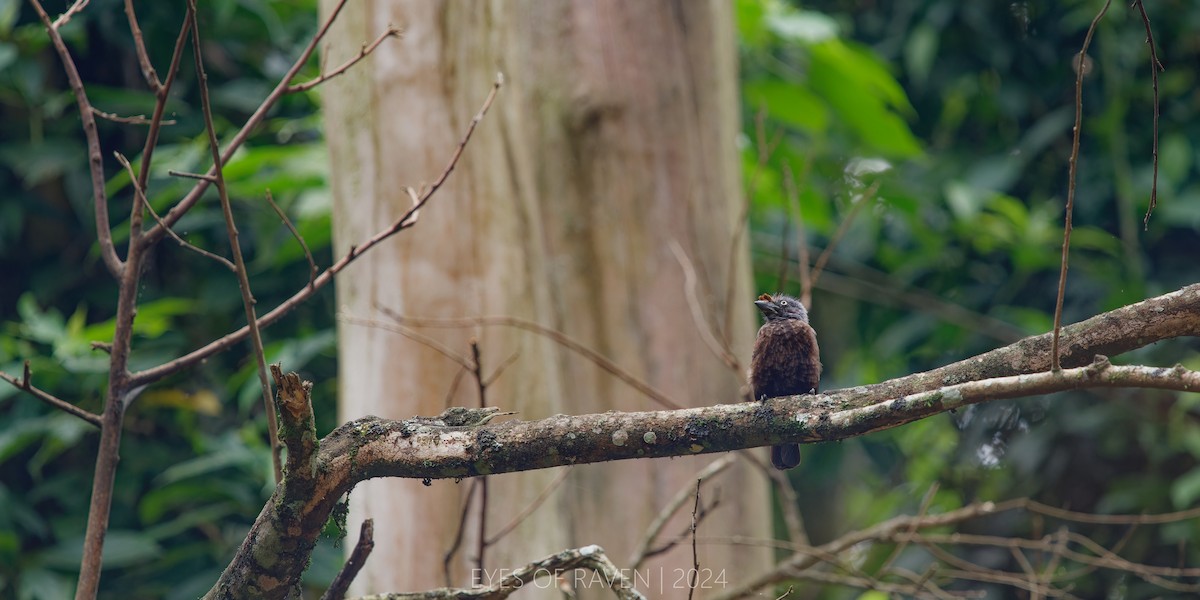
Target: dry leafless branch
[(1073, 161)]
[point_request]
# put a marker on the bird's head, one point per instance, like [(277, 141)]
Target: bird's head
[(780, 308)]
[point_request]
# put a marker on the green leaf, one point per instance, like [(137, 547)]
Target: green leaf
[(803, 26), (122, 548), (42, 584), (789, 103), (1186, 489), (751, 23), (231, 455), (864, 96)]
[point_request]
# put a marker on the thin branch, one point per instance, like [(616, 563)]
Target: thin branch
[(1073, 161), (866, 583), (404, 222), (1102, 557), (672, 506), (841, 231), (141, 197), (185, 174), (481, 535), (554, 335), (188, 201), (139, 45), (24, 384), (134, 120), (801, 561), (458, 533), (925, 502), (417, 337), (869, 285), (703, 512), (75, 9), (793, 197), (108, 251), (231, 228), (365, 51), (789, 501), (1155, 67), (512, 358), (162, 95), (1081, 517), (765, 150), (354, 564), (718, 349), (694, 574), (312, 264), (513, 580), (530, 508)]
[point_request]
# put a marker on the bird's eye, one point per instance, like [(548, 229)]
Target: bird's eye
[(783, 302)]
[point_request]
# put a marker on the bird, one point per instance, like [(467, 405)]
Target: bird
[(785, 361)]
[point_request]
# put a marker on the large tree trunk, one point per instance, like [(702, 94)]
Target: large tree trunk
[(614, 136)]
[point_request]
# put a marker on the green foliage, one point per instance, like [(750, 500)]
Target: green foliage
[(195, 468), (961, 114), (940, 129)]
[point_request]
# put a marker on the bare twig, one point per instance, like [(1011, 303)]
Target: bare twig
[(139, 45), (841, 231), (869, 285), (1081, 517), (354, 564), (186, 175), (134, 120), (529, 510), (694, 574), (141, 196), (514, 580), (162, 96), (672, 506), (718, 349), (925, 502), (121, 389), (312, 264), (404, 222), (458, 533), (481, 535), (75, 9), (552, 334), (231, 228), (789, 501), (193, 196), (512, 358), (793, 196), (24, 384), (765, 149), (366, 50), (108, 251), (415, 336), (1155, 67), (1074, 166)]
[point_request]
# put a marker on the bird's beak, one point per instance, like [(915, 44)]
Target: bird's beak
[(767, 307)]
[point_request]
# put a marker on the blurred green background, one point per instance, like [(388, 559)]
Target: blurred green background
[(938, 129)]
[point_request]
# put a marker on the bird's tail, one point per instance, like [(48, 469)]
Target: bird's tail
[(786, 456)]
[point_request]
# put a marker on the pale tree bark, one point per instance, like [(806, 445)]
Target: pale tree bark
[(613, 139)]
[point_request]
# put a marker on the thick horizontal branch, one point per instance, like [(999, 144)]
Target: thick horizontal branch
[(426, 448), (1115, 332), (386, 448)]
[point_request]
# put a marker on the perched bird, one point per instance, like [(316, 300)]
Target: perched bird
[(785, 362)]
